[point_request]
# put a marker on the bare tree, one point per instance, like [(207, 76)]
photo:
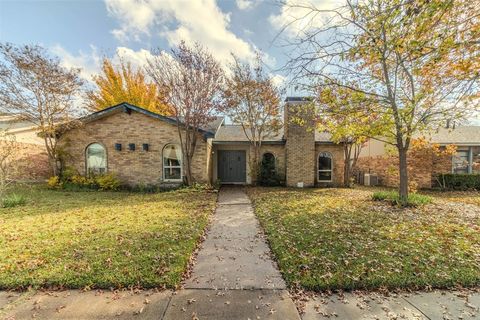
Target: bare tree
[(190, 80), (252, 100), (8, 168), (36, 88), (418, 60)]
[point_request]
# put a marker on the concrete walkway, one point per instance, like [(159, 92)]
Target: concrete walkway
[(234, 276)]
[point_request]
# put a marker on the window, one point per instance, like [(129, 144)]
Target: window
[(461, 161), (96, 159), (172, 163), (325, 167)]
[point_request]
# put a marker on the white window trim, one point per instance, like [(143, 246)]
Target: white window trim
[(87, 171), (329, 155), (164, 167)]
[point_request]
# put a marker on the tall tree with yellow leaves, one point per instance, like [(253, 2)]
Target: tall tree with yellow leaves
[(122, 83)]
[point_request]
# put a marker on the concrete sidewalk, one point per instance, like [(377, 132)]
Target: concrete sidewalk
[(434, 305)]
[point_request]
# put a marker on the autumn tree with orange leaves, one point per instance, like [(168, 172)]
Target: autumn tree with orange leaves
[(252, 100), (419, 60), (124, 83)]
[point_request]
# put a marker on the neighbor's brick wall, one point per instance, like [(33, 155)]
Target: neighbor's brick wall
[(32, 164), (132, 167), (423, 167), (300, 146), (338, 163)]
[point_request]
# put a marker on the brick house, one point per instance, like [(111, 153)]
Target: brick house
[(423, 165), (142, 147)]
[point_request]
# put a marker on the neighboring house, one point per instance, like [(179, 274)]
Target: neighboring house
[(32, 159), (424, 167), (142, 147)]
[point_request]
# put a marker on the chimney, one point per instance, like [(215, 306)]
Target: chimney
[(299, 133)]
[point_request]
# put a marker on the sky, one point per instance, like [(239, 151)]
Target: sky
[(81, 32)]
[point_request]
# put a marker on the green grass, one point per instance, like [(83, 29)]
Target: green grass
[(13, 200), (414, 199), (339, 239), (100, 239)]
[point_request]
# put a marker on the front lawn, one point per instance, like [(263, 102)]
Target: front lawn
[(341, 239), (100, 239)]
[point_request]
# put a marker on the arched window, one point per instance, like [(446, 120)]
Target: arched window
[(96, 159), (325, 167), (268, 163), (172, 163)]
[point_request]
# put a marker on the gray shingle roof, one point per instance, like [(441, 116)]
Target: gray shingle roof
[(460, 135), (235, 133), (231, 132)]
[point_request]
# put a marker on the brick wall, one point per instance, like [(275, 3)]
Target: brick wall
[(132, 167), (423, 166), (32, 163), (300, 145)]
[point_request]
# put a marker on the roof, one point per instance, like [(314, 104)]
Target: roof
[(462, 135), (298, 99), (208, 131), (235, 133)]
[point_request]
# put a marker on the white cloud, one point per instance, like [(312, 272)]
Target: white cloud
[(200, 20), (246, 4), (279, 80), (89, 63), (296, 16)]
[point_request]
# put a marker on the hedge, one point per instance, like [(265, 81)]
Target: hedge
[(456, 181)]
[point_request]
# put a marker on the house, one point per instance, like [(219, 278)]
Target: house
[(142, 147), (425, 166), (31, 158)]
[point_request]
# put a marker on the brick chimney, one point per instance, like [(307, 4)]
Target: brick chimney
[(299, 133)]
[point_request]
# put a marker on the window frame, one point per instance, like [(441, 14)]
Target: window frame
[(164, 167), (325, 154), (87, 171)]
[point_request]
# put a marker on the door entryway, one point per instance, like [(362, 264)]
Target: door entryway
[(232, 166)]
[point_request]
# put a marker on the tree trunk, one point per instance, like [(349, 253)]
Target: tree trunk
[(403, 187)]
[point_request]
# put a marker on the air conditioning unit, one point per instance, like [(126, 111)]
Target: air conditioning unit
[(370, 179)]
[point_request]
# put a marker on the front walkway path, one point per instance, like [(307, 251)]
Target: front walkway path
[(234, 276)]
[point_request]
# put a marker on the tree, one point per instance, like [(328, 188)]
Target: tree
[(351, 118), (122, 83), (418, 60), (36, 88), (190, 80), (8, 150), (252, 100)]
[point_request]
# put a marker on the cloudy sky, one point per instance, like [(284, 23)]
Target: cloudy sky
[(81, 32)]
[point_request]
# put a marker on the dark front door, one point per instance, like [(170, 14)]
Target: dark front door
[(232, 166)]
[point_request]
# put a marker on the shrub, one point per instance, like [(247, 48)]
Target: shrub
[(456, 181), (54, 182), (13, 200), (268, 176), (108, 181), (414, 199)]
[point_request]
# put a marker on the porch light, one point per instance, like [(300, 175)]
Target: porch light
[(118, 146)]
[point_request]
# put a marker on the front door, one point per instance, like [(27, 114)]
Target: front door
[(232, 166)]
